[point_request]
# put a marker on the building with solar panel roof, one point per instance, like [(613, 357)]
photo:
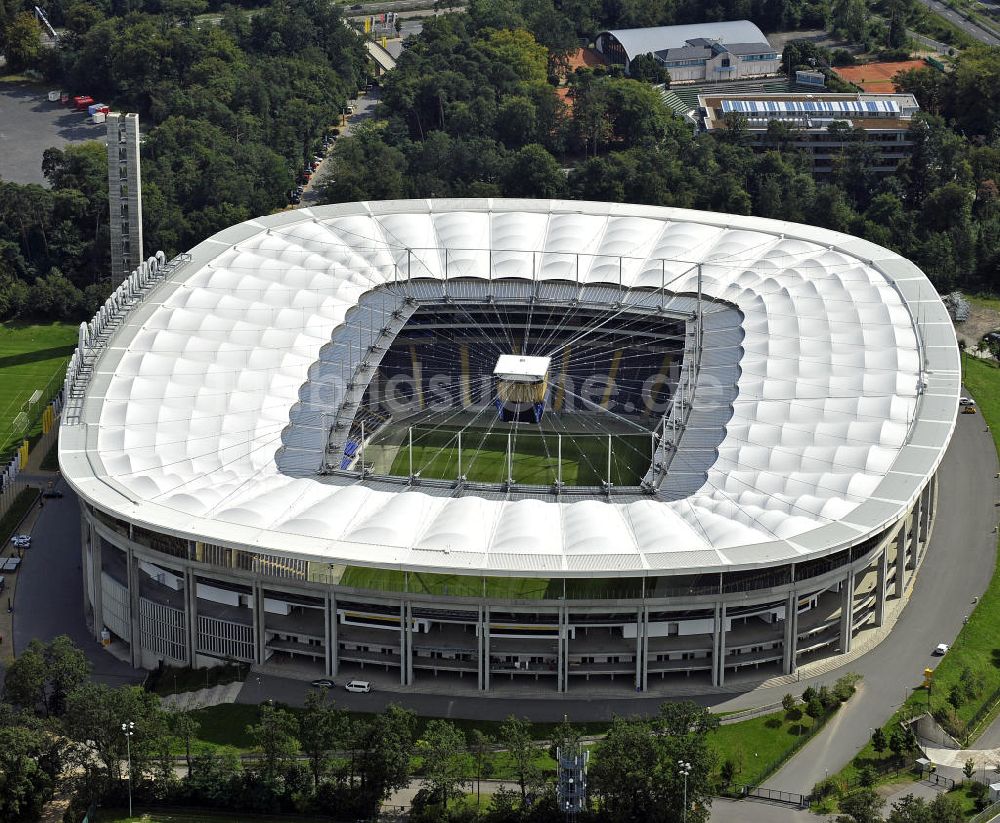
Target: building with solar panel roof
[(821, 124)]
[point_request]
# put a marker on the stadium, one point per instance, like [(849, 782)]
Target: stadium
[(509, 445)]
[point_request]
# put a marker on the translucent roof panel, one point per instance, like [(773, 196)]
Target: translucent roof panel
[(835, 402)]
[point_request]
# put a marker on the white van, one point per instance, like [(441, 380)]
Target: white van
[(359, 686)]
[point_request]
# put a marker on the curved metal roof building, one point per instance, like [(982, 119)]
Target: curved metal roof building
[(821, 399)]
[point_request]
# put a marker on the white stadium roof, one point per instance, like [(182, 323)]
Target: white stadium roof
[(847, 391)]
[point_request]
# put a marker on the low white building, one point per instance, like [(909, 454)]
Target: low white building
[(730, 50)]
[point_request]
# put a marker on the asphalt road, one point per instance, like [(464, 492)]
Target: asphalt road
[(363, 108), (49, 597), (957, 568), (29, 124), (972, 29)]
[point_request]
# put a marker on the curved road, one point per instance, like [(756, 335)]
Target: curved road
[(974, 30)]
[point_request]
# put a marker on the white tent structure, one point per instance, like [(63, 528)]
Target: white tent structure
[(845, 401), (832, 415)]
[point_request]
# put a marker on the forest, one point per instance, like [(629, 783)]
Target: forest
[(482, 103), (230, 113)]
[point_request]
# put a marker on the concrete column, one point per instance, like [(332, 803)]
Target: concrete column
[(901, 558), (791, 644), (915, 520), (926, 535), (191, 614), (480, 644), (258, 623), (87, 572), (846, 612), (638, 648), (719, 648), (486, 651), (409, 642), (561, 667), (882, 575), (132, 575), (403, 636), (96, 570), (334, 637), (327, 663), (645, 648)]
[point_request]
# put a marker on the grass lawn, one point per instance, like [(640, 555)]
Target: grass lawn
[(978, 644), (756, 745), (534, 457), (30, 357)]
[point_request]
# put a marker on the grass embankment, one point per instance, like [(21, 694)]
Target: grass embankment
[(31, 359), (21, 506), (977, 648), (759, 746)]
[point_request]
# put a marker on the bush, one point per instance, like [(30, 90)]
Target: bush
[(842, 57), (825, 788), (846, 686)]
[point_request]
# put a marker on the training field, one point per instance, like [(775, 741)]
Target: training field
[(31, 358), (534, 455)]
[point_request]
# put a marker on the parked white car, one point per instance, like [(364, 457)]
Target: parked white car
[(359, 686), (941, 649)]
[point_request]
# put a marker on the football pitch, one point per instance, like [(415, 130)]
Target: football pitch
[(534, 456), (32, 358)]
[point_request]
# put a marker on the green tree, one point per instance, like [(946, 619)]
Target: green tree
[(27, 769), (274, 737), (814, 708), (24, 683), (446, 762), (480, 746), (23, 41), (533, 172), (514, 737), (879, 743), (648, 69), (319, 729), (969, 768), (863, 806), (67, 668), (43, 676), (93, 720), (185, 726), (384, 759)]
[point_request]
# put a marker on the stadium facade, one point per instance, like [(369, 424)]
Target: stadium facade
[(288, 450)]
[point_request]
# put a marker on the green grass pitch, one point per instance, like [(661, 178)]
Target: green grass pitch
[(30, 357), (534, 457)]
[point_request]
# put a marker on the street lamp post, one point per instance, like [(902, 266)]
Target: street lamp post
[(685, 769), (128, 729)]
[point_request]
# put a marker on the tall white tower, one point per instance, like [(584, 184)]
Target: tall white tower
[(124, 194)]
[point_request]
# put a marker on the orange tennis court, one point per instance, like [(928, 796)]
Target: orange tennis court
[(877, 77)]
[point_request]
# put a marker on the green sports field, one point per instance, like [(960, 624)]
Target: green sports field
[(534, 456), (32, 358)]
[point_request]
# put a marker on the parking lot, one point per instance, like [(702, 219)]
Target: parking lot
[(29, 124)]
